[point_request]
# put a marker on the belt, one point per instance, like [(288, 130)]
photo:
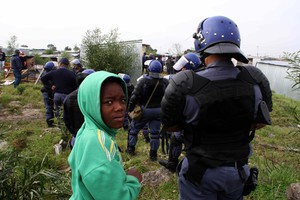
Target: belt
[(237, 164)]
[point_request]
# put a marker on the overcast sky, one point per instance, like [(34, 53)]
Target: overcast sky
[(267, 27)]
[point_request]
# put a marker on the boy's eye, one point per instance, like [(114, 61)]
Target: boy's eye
[(124, 100), (109, 102)]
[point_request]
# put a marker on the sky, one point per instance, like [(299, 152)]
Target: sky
[(267, 27)]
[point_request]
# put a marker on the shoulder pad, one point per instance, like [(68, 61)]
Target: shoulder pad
[(264, 85), (188, 82)]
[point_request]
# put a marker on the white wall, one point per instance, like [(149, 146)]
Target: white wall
[(277, 73)]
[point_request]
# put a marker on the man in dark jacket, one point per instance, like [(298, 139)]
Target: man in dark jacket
[(16, 66)]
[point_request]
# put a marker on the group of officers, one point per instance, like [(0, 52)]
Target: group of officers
[(210, 106), (212, 110)]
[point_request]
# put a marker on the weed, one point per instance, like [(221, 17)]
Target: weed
[(21, 89)]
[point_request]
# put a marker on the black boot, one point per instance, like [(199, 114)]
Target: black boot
[(130, 150), (147, 139), (50, 122), (153, 155), (170, 164)]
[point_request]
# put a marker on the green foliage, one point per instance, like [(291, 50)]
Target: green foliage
[(22, 178), (106, 52), (294, 72), (21, 89), (48, 51), (39, 60), (65, 54)]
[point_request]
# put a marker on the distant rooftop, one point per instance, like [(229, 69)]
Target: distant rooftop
[(276, 62)]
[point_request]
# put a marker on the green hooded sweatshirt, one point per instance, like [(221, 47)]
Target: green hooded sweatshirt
[(95, 161)]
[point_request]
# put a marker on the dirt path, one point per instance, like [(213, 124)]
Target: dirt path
[(28, 112)]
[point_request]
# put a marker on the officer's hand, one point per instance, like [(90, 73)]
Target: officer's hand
[(257, 126), (174, 128)]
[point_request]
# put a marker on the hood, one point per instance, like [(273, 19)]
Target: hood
[(89, 101)]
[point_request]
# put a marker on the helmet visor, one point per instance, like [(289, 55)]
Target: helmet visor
[(147, 62), (180, 63)]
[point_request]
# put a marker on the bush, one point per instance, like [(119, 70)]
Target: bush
[(106, 52)]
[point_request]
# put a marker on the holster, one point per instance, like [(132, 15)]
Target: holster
[(195, 171)]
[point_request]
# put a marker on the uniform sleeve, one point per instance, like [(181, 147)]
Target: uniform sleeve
[(110, 182), (66, 113), (45, 79), (136, 95)]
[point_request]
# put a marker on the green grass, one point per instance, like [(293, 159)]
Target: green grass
[(275, 151)]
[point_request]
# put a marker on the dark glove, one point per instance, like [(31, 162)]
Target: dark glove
[(251, 182)]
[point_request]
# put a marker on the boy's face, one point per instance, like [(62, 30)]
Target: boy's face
[(113, 105)]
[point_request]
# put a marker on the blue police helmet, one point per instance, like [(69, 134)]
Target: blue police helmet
[(219, 35), (88, 71), (125, 77), (190, 61), (155, 67), (49, 65), (193, 61)]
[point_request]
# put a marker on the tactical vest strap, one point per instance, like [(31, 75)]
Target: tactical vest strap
[(174, 98)]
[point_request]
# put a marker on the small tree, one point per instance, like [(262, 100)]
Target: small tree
[(67, 48), (106, 52), (51, 47), (76, 48), (12, 44), (294, 72), (39, 60), (176, 49)]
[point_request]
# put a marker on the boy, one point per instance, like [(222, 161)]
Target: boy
[(96, 163)]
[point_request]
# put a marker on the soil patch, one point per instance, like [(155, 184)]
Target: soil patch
[(28, 113)]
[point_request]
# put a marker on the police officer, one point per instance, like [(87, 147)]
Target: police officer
[(16, 66), (72, 116), (77, 66), (189, 61), (219, 109), (48, 95), (130, 88), (154, 84)]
